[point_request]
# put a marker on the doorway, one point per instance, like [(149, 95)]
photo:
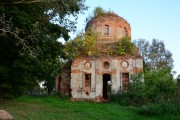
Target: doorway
[(106, 85)]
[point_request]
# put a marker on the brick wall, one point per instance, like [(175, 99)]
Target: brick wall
[(117, 27)]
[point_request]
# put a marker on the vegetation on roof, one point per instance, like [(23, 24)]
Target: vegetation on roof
[(86, 45), (98, 11)]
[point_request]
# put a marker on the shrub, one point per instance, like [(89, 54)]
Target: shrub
[(159, 109), (158, 87), (60, 95), (120, 98), (134, 95), (125, 46)]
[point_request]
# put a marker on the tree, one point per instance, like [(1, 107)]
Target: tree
[(98, 11), (29, 48), (155, 54), (125, 46), (39, 18), (160, 86), (84, 44)]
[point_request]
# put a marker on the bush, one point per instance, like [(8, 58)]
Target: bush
[(125, 46), (157, 87), (160, 109), (135, 95), (120, 98), (160, 86), (60, 95)]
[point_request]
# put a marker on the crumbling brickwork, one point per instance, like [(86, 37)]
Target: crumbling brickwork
[(118, 27), (96, 77), (118, 65)]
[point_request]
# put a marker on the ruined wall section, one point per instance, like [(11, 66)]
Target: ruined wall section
[(79, 68), (117, 66), (63, 80)]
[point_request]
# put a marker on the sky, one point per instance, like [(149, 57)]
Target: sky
[(149, 19)]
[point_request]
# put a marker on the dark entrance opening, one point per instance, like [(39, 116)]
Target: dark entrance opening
[(106, 85)]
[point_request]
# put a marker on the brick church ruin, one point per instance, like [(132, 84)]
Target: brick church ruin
[(95, 78)]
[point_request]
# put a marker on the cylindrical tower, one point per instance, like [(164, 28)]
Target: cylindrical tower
[(111, 27)]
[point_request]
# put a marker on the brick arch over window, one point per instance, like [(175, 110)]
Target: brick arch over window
[(106, 30)]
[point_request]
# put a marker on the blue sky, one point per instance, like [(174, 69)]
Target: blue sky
[(149, 19)]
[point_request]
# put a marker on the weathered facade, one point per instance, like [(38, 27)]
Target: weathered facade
[(94, 78)]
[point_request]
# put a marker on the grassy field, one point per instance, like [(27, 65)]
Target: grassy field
[(52, 108)]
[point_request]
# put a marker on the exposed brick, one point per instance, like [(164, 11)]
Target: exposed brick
[(114, 71), (97, 72), (137, 70), (75, 71), (116, 26), (97, 66)]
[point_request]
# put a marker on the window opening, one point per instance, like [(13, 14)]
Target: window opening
[(124, 32), (106, 65), (106, 32), (125, 81), (87, 80)]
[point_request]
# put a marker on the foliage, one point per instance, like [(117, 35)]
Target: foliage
[(125, 46), (89, 41), (37, 91), (84, 44), (160, 109), (158, 87), (155, 54), (29, 46), (98, 11), (135, 95)]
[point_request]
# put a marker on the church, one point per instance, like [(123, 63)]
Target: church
[(96, 78)]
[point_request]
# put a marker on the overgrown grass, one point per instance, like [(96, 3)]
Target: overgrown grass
[(160, 109), (53, 108)]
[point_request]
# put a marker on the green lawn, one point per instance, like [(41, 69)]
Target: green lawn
[(52, 108)]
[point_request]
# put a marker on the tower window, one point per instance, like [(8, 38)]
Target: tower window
[(106, 30), (125, 32)]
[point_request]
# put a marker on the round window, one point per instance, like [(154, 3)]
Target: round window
[(87, 65), (124, 64)]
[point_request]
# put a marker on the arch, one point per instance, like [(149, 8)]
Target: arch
[(106, 85), (106, 65), (58, 84), (106, 30)]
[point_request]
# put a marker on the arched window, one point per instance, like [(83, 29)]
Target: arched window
[(106, 65), (125, 32), (106, 30)]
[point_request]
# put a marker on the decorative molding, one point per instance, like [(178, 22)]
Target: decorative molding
[(87, 65), (124, 64)]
